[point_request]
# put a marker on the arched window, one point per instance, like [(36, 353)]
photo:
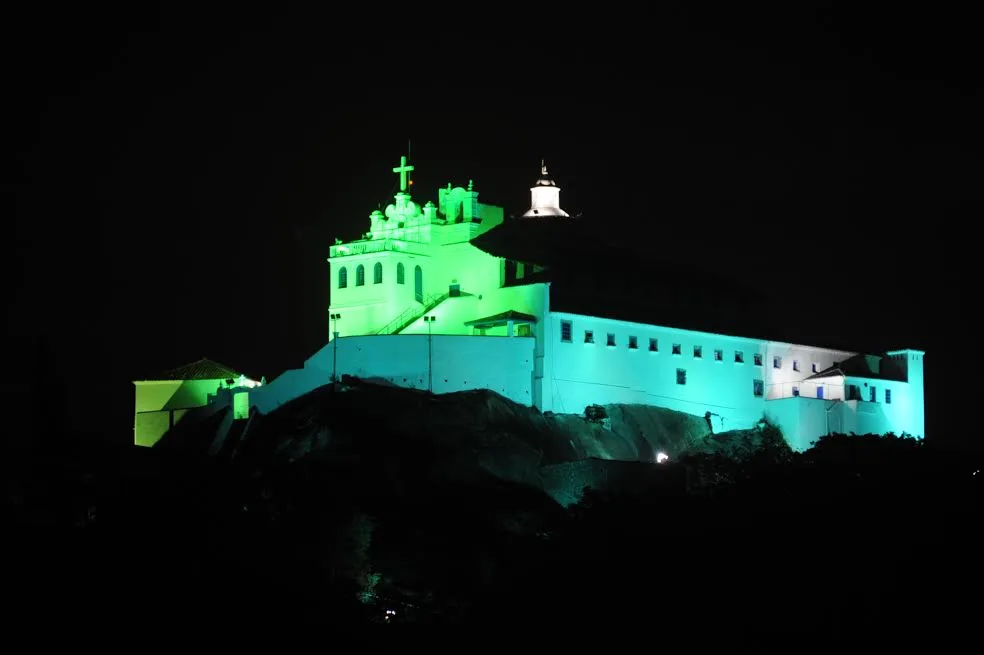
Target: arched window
[(377, 273), (418, 284), (342, 277), (360, 275), (399, 273)]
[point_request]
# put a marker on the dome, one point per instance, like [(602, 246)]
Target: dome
[(545, 196)]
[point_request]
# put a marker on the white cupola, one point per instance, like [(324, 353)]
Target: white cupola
[(545, 196)]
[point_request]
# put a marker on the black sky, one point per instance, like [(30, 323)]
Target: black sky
[(179, 172)]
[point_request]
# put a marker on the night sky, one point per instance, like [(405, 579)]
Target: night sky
[(179, 173)]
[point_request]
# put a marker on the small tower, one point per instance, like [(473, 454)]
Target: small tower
[(545, 196)]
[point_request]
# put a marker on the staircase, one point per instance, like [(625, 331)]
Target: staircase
[(412, 313)]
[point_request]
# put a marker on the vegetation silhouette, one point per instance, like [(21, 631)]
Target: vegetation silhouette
[(383, 534)]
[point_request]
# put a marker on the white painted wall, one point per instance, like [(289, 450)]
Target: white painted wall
[(452, 314), (580, 374), (808, 359), (827, 388), (289, 385), (901, 415), (502, 364), (805, 419), (911, 362)]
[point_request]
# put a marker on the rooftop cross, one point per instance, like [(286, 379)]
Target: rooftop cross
[(403, 169)]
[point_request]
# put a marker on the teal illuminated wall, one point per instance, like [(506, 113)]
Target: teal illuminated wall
[(697, 373), (445, 363), (405, 298)]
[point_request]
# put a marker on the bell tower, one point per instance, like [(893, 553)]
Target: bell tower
[(545, 194)]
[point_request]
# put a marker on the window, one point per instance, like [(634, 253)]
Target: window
[(758, 388), (819, 392), (653, 345), (718, 355), (610, 341), (377, 273), (589, 336), (698, 352), (796, 365), (739, 357), (677, 349), (814, 367), (888, 396), (872, 394), (681, 376), (757, 359), (399, 273), (342, 277), (566, 331), (777, 362), (633, 343), (454, 290), (523, 330), (796, 392), (360, 275)]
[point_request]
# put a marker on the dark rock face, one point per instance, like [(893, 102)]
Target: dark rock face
[(461, 434)]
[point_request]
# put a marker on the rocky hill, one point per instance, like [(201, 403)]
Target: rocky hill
[(359, 504), (559, 454)]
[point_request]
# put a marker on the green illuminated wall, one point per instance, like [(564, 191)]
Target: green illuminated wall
[(433, 238), (160, 404)]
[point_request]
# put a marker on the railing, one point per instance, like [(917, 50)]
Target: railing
[(379, 245), (413, 312), (804, 389)]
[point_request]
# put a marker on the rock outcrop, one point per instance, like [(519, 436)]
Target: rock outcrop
[(559, 454)]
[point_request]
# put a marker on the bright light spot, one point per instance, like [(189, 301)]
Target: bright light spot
[(661, 457)]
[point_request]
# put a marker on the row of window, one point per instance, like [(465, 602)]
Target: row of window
[(854, 393), (758, 389), (377, 275), (567, 330), (758, 386)]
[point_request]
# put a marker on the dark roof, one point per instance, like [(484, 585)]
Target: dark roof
[(502, 318), (593, 273), (876, 367), (830, 372), (203, 369), (548, 240)]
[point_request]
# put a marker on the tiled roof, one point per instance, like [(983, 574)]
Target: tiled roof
[(876, 367), (502, 318), (203, 369), (592, 275), (829, 372)]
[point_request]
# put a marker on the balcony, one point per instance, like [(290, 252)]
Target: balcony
[(804, 389), (377, 245)]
